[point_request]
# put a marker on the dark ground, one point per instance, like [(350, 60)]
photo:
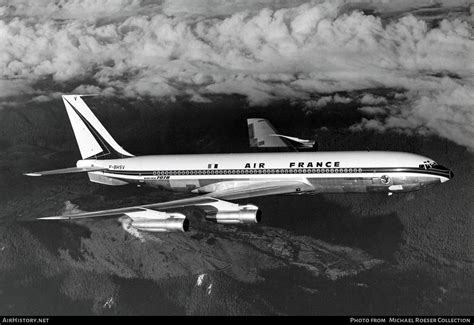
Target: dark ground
[(325, 254)]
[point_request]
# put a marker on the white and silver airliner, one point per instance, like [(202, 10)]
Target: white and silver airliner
[(216, 179)]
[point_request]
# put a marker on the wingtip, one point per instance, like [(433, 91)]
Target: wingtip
[(32, 174)]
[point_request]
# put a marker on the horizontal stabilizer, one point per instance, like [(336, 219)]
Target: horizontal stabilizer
[(69, 170), (290, 138)]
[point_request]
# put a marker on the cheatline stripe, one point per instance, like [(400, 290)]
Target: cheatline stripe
[(273, 171)]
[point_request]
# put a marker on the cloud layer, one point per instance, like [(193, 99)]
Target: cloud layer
[(133, 48)]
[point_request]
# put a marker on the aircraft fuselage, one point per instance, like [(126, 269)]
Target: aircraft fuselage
[(321, 172)]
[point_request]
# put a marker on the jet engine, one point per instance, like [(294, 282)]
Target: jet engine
[(157, 221), (234, 214)]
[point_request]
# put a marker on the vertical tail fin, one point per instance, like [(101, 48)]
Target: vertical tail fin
[(92, 138), (262, 134)]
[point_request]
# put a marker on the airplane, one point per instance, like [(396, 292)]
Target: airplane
[(217, 179), (262, 135)]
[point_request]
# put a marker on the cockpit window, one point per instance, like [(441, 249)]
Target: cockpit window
[(428, 164)]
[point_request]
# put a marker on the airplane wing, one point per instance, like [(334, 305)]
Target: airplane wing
[(225, 192), (203, 199)]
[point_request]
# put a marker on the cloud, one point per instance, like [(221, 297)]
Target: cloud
[(372, 110), (447, 111), (71, 9), (325, 100), (317, 104), (262, 51), (369, 99), (341, 99), (41, 99)]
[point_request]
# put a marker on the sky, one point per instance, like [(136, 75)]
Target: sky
[(310, 52)]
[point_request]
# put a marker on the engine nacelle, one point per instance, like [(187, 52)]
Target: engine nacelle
[(157, 221), (248, 213)]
